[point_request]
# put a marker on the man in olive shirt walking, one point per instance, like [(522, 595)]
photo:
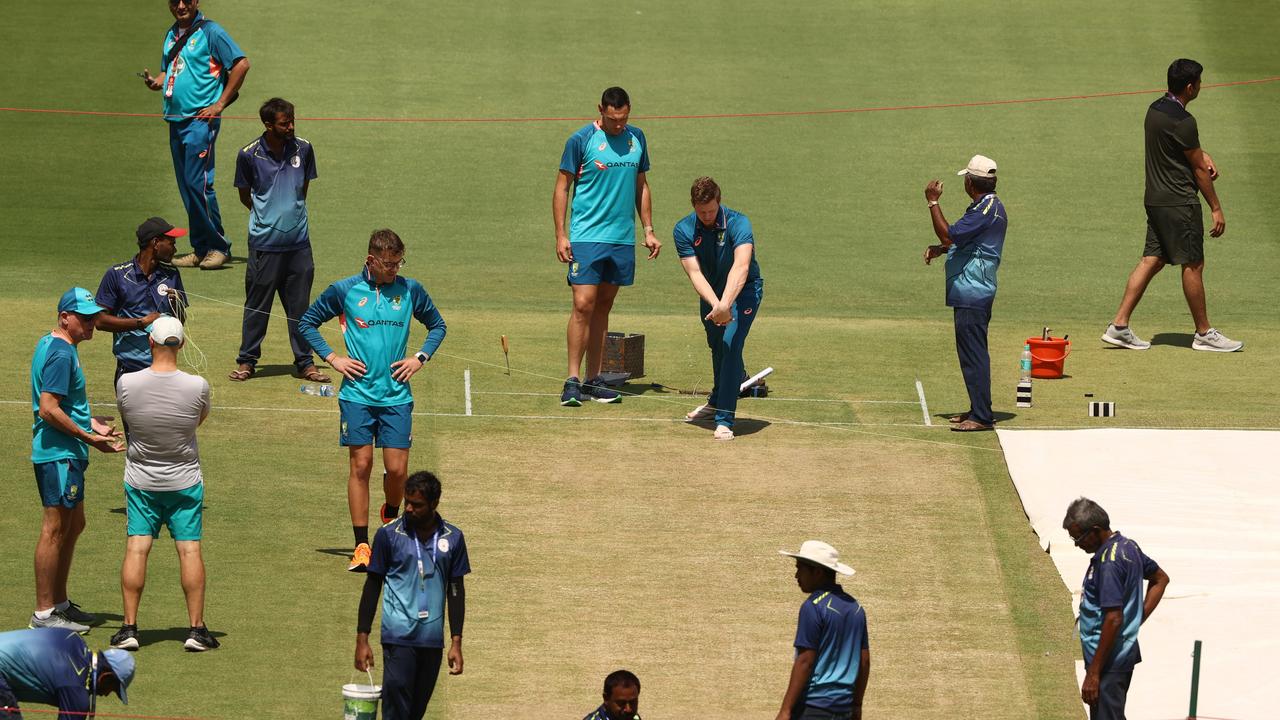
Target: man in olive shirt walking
[(1176, 168)]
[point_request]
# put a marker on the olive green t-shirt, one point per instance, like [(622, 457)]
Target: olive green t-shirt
[(1170, 132)]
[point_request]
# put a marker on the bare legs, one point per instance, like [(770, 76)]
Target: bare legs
[(59, 530), (1192, 288), (588, 324), (133, 577)]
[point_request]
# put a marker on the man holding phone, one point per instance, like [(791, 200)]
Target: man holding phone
[(203, 70)]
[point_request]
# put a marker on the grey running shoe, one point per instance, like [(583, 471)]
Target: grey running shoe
[(126, 638), (74, 613), (597, 390), (1214, 341), (58, 621), (200, 640), (1124, 338)]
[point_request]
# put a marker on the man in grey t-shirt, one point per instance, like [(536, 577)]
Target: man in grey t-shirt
[(163, 406)]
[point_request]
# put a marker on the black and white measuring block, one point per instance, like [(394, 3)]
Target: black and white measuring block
[(1102, 409), (1024, 394)]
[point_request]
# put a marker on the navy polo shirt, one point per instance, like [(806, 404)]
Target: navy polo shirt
[(413, 602), (833, 624), (1115, 580), (714, 246), (278, 220), (125, 292)]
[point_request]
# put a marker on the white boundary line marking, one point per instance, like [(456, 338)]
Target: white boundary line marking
[(664, 397), (924, 407), (466, 388)]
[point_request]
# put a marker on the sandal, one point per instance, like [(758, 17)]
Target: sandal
[(957, 419), (243, 372), (313, 374)]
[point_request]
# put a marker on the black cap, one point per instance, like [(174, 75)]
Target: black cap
[(155, 227)]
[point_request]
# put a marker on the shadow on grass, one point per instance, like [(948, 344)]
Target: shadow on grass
[(1172, 339), (151, 636), (744, 426), (340, 552), (996, 415), (265, 371)]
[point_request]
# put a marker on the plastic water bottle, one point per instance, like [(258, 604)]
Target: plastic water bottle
[(314, 389), (1026, 363)]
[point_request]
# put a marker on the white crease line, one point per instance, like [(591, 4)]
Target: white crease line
[(924, 407), (466, 388), (665, 397)]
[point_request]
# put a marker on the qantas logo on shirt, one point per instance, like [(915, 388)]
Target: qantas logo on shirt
[(361, 323), (600, 165), (366, 324), (618, 163)]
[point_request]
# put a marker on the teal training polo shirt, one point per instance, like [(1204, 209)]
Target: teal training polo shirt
[(197, 76), (605, 169), (55, 368), (375, 329), (412, 602)]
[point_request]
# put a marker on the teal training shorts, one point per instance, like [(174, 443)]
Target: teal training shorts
[(181, 510), (61, 482)]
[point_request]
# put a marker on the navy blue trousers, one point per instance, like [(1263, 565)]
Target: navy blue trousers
[(408, 679), (191, 144), (975, 361), (726, 351), (268, 274)]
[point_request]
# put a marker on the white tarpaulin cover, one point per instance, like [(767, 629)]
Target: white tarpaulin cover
[(1205, 505)]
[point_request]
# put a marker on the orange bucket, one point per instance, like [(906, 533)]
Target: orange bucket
[(1048, 357)]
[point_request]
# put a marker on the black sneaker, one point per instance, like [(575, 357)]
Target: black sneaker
[(75, 613), (572, 394), (200, 640), (126, 638), (597, 390)]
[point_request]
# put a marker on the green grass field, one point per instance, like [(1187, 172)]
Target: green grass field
[(614, 536)]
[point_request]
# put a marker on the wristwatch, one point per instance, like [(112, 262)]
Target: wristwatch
[(932, 203), (422, 357), (648, 228)]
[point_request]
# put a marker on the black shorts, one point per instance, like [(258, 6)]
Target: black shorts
[(1175, 234)]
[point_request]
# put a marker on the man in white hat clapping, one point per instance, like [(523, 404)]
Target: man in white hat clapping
[(833, 659)]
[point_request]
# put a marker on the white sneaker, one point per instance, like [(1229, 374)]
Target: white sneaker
[(1214, 341), (702, 412), (723, 433), (57, 621), (1124, 338)]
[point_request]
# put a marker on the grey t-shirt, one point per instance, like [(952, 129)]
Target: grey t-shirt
[(162, 411)]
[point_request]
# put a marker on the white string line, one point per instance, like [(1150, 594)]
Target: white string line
[(834, 424), (682, 403)]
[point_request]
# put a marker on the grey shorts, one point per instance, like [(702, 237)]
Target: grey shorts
[(1175, 234)]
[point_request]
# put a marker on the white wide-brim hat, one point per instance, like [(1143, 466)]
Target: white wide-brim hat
[(820, 553), (980, 166)]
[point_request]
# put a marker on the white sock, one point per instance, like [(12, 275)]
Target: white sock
[(43, 614)]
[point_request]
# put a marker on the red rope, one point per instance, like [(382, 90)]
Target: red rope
[(711, 116)]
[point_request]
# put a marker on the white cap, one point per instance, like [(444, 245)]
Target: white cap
[(166, 330), (980, 166), (820, 553)]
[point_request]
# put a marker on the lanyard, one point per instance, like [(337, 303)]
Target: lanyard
[(424, 611)]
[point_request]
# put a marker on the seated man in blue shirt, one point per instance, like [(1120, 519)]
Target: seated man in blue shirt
[(55, 667), (621, 698), (1113, 606), (973, 247), (833, 657), (421, 560)]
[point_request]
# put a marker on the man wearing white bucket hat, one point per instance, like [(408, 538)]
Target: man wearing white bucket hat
[(55, 667), (833, 657), (973, 246)]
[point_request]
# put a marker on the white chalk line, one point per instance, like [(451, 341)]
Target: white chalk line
[(924, 407), (754, 399)]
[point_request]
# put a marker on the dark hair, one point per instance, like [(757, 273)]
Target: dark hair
[(424, 483), (1183, 72), (620, 678), (273, 107), (615, 97), (1086, 514), (983, 184), (704, 190), (385, 240)]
